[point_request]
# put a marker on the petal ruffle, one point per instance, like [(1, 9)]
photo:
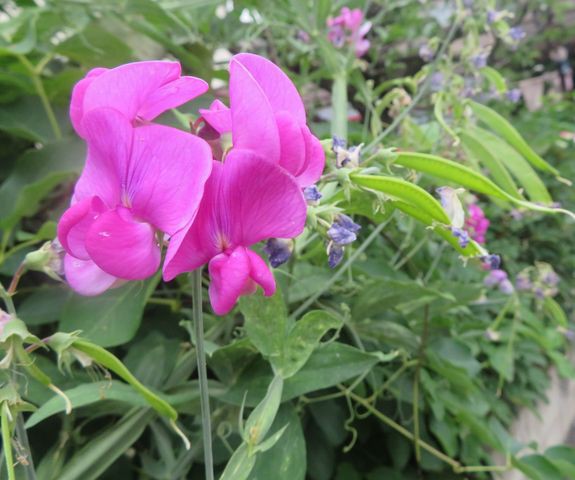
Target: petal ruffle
[(122, 246), (218, 116), (314, 163), (229, 277), (292, 141), (85, 277), (77, 101)]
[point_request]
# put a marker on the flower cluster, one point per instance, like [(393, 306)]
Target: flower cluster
[(348, 28), (541, 280), (343, 231), (476, 223), (213, 195), (499, 279)]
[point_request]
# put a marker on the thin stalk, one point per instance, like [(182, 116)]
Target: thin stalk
[(22, 438), (202, 373), (41, 91), (7, 443), (339, 105)]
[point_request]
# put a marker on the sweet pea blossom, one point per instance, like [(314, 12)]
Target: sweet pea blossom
[(266, 115), (476, 223), (349, 28), (246, 200), (499, 279), (137, 183), (141, 91), (343, 231)]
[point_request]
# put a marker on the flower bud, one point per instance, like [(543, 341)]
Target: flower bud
[(49, 258)]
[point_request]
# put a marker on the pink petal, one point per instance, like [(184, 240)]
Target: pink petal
[(292, 141), (122, 246), (172, 95), (77, 101), (75, 223), (276, 85), (85, 277), (315, 160), (253, 122), (261, 274), (194, 245), (218, 116), (229, 275), (259, 200), (166, 176), (109, 135)]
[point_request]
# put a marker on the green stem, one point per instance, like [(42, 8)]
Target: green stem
[(41, 91), (202, 373), (7, 443), (339, 105), (22, 437)]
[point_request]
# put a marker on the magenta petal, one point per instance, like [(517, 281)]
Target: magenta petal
[(166, 176), (172, 95), (278, 88), (122, 246), (229, 275), (85, 277), (75, 223), (109, 135), (314, 164), (253, 121), (128, 87), (292, 141), (261, 274), (77, 101), (261, 200), (218, 116)]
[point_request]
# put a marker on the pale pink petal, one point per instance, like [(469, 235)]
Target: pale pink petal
[(166, 176), (122, 246), (172, 95), (77, 100), (253, 122), (314, 164), (260, 200), (276, 85), (128, 87), (85, 277), (218, 116), (229, 275), (194, 245), (292, 141), (261, 274), (109, 135), (75, 223)]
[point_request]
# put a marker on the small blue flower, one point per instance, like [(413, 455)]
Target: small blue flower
[(493, 261), (347, 223), (479, 60), (338, 144), (312, 194), (335, 255), (492, 16), (436, 81), (341, 235), (344, 156), (278, 250), (426, 53), (506, 287), (517, 33), (513, 95), (461, 235)]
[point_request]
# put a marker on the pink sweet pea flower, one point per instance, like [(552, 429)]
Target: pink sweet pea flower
[(476, 223), (246, 200), (347, 28), (267, 116), (137, 183), (140, 90)]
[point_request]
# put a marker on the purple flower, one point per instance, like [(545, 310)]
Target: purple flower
[(426, 53), (312, 195), (343, 230), (344, 156), (517, 33), (499, 279), (506, 287), (492, 261), (523, 282), (279, 251), (492, 16), (436, 81), (461, 235), (513, 95), (479, 60), (335, 255)]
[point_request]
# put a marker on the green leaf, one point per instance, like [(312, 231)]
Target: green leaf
[(25, 118), (261, 419), (36, 174), (537, 467), (563, 458), (286, 460), (105, 448), (303, 339), (266, 322), (109, 319), (476, 150), (495, 78), (86, 394), (240, 464), (24, 39), (502, 127), (555, 312), (43, 305)]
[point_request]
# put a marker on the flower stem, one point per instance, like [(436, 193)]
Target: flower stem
[(22, 437), (339, 105), (202, 373)]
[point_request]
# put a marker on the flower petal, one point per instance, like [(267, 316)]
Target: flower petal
[(75, 223), (260, 200), (109, 135), (314, 160), (229, 276), (253, 122), (172, 95), (292, 141), (261, 274), (278, 88), (77, 101), (218, 116), (85, 277), (122, 246)]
